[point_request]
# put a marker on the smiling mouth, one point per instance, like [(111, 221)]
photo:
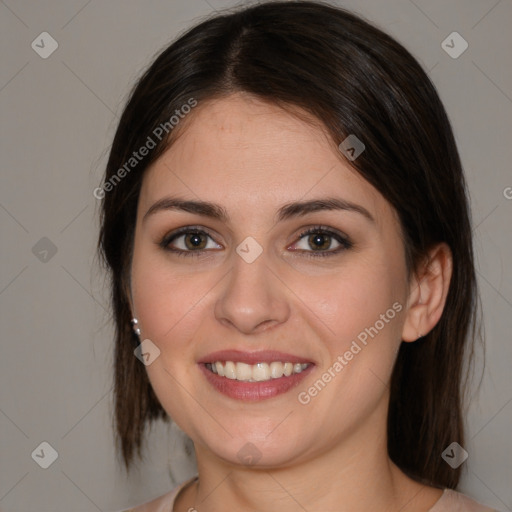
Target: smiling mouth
[(259, 372)]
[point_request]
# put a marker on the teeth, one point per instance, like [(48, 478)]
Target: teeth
[(220, 369), (243, 371), (276, 370), (259, 372), (230, 370)]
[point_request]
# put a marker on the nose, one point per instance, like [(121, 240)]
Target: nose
[(253, 298)]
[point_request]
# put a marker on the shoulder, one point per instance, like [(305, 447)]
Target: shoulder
[(159, 504), (454, 501), (163, 503)]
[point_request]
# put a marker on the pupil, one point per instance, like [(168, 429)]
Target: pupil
[(319, 241), (194, 240)]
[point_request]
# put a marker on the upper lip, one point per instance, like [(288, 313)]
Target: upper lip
[(262, 356)]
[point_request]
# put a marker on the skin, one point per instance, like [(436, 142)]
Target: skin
[(251, 158)]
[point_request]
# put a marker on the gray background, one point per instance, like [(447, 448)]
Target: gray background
[(58, 119)]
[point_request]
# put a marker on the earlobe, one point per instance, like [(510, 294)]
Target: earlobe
[(134, 320), (428, 292)]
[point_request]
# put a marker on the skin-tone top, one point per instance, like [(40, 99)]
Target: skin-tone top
[(450, 501)]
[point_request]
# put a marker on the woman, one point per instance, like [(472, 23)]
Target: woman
[(286, 224)]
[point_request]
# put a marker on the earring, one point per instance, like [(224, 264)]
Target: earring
[(135, 326), (420, 336)]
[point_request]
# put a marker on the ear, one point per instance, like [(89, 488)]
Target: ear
[(427, 293)]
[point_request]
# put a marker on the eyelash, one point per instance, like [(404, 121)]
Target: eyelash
[(322, 230)]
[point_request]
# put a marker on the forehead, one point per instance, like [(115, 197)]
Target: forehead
[(254, 156)]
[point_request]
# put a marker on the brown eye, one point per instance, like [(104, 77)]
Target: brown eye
[(319, 242), (194, 241), (188, 242)]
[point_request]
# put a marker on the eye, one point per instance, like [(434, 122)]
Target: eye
[(320, 239), (317, 241), (188, 241)]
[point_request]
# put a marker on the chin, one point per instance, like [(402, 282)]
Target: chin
[(254, 448), (255, 455)]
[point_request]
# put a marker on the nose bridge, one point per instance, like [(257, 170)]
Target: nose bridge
[(252, 296)]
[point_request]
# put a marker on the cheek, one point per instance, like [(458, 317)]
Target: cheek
[(363, 310), (170, 307), (368, 321), (165, 301), (349, 301)]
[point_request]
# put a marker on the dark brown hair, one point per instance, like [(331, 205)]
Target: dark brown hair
[(354, 79)]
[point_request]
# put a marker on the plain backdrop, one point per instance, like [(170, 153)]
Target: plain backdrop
[(58, 117)]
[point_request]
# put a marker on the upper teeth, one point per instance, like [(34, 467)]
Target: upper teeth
[(255, 372)]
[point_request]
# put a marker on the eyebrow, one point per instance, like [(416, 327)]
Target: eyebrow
[(287, 211)]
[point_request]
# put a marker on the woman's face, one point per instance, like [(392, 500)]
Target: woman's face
[(249, 283)]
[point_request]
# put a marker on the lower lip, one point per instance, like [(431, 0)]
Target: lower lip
[(254, 391)]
